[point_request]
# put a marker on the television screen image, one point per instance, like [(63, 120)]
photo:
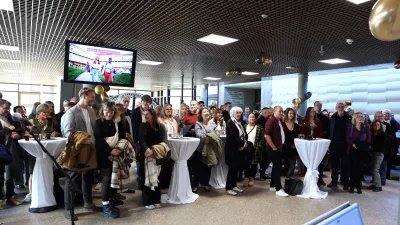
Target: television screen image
[(99, 65)]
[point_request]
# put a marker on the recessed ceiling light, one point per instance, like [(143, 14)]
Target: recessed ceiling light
[(156, 86), (10, 61), (217, 39), (249, 73), (357, 2), (290, 67), (264, 16), (148, 62), (13, 71), (211, 78), (7, 5), (9, 48), (334, 61)]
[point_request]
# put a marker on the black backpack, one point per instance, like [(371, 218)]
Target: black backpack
[(293, 186)]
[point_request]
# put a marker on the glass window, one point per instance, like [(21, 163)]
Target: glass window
[(175, 102), (30, 88), (11, 97), (187, 92), (113, 92), (47, 97), (8, 87), (155, 94), (30, 98), (212, 89), (49, 89), (165, 93), (175, 92)]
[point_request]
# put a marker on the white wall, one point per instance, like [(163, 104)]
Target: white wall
[(371, 88)]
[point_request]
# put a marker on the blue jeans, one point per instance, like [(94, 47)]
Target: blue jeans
[(377, 159), (383, 170)]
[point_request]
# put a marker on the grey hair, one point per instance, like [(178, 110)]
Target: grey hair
[(234, 110), (40, 108), (337, 103), (386, 111), (65, 103)]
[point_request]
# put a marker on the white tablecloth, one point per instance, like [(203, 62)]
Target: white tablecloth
[(43, 181), (180, 190), (312, 153), (220, 171)]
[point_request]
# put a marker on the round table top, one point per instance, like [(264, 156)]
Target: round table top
[(52, 139), (185, 139), (318, 140)]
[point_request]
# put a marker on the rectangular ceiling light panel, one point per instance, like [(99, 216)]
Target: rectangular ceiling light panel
[(334, 61), (217, 39)]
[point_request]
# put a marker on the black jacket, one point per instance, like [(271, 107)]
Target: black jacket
[(136, 122), (226, 115), (325, 125), (143, 144), (233, 143), (262, 121), (103, 129)]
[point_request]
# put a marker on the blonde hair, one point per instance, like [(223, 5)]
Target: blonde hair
[(163, 114), (354, 119)]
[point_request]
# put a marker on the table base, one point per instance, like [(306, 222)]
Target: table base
[(320, 195), (165, 198), (43, 209)]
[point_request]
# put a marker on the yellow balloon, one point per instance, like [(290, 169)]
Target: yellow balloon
[(267, 61), (384, 21), (297, 101), (99, 89)]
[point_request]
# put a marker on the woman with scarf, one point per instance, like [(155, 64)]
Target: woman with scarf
[(256, 143), (202, 172), (151, 133), (236, 142), (107, 132)]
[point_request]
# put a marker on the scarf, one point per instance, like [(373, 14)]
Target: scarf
[(240, 128)]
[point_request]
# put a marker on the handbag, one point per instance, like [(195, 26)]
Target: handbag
[(5, 156), (293, 186)]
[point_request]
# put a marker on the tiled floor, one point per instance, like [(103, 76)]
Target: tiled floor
[(255, 206)]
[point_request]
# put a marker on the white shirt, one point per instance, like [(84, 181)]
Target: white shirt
[(87, 121), (252, 134), (282, 132)]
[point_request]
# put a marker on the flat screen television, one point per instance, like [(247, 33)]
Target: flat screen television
[(94, 64)]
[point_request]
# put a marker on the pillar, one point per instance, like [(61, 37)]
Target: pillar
[(302, 89), (266, 92), (221, 94)]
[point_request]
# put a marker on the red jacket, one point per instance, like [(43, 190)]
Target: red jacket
[(318, 131), (273, 129)]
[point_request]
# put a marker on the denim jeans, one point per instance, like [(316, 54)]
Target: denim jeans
[(383, 170), (87, 181), (377, 162)]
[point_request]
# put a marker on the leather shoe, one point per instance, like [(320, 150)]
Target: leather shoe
[(129, 191), (372, 187), (345, 188), (321, 182), (13, 202), (351, 190), (332, 185)]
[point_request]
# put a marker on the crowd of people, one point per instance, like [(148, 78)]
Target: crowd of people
[(119, 136)]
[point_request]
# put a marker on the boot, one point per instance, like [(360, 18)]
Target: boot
[(246, 182), (359, 190), (251, 182), (351, 190), (110, 212)]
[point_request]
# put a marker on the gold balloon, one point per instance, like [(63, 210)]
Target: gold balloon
[(267, 61), (99, 89), (297, 101), (384, 21), (229, 73)]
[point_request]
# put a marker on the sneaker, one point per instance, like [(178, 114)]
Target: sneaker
[(272, 189), (110, 212), (157, 206), (230, 192), (19, 186), (27, 198), (67, 215), (150, 207), (237, 190), (92, 208), (281, 193)]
